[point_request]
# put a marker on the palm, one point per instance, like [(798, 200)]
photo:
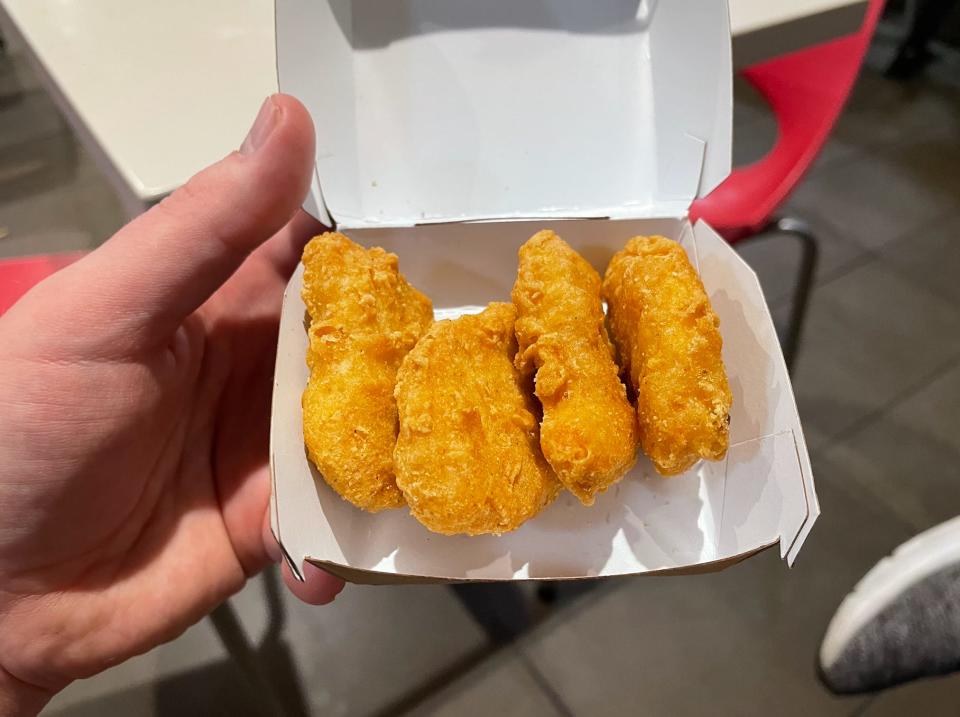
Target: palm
[(175, 484), (135, 389)]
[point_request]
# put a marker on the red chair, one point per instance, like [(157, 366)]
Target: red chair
[(17, 276), (806, 91)]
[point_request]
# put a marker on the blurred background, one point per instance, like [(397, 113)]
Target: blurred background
[(877, 378)]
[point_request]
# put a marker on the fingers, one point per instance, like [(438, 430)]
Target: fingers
[(165, 264), (318, 588), (283, 251), (258, 285)]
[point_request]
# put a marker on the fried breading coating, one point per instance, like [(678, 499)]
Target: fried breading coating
[(669, 343), (589, 429), (468, 456), (364, 318)]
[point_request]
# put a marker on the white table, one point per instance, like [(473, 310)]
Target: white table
[(158, 89)]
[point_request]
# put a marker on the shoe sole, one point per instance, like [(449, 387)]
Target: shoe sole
[(914, 560)]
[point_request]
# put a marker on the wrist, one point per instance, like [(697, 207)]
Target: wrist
[(18, 699)]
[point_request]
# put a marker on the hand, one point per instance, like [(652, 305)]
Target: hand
[(135, 395)]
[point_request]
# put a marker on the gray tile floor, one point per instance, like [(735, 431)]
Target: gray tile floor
[(878, 383)]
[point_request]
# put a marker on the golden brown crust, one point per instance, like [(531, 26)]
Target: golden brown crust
[(364, 318), (468, 457), (589, 429), (669, 343)]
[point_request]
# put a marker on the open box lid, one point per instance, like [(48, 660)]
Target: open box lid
[(431, 111)]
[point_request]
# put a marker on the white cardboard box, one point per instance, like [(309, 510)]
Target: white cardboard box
[(449, 132)]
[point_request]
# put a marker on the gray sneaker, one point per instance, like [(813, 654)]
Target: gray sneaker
[(902, 620)]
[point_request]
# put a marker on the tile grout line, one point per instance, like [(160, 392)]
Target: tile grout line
[(544, 684), (867, 256), (838, 272), (864, 421), (875, 146), (893, 268), (870, 255), (920, 226), (868, 252), (454, 673), (473, 662), (867, 490), (862, 708), (855, 154)]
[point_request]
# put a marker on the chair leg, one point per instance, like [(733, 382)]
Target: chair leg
[(261, 690), (809, 256), (278, 694), (277, 615)]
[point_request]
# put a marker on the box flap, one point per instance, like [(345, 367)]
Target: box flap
[(772, 476), (434, 111)]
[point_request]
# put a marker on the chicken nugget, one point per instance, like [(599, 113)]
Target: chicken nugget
[(364, 318), (668, 339), (589, 430), (468, 456)]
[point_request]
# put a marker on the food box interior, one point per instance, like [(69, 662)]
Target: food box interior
[(450, 132)]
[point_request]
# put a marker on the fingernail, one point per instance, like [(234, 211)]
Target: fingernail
[(272, 547), (262, 128)]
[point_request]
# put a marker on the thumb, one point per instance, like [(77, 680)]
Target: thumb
[(167, 262)]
